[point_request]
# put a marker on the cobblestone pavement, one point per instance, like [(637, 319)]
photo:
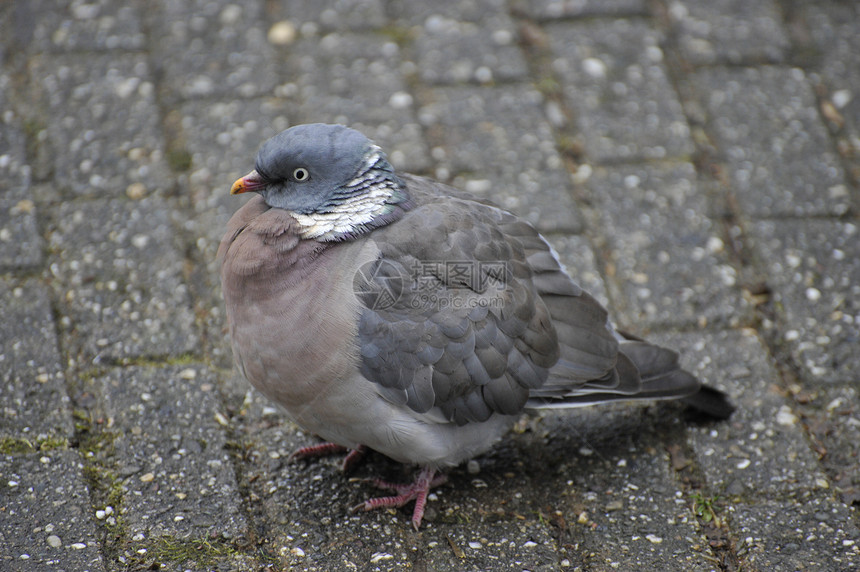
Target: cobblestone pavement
[(695, 162)]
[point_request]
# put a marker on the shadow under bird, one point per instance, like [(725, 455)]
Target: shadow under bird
[(391, 312)]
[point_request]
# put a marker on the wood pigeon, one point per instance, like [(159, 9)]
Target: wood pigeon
[(388, 311)]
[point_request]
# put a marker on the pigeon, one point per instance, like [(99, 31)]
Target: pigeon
[(390, 312)]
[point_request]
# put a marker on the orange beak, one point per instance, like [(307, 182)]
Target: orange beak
[(250, 182)]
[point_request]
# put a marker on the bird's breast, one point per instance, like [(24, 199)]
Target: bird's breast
[(294, 336)]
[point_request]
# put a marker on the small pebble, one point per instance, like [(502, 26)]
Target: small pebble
[(282, 33), (54, 541), (380, 556)]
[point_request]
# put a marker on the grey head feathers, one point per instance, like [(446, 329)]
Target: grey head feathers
[(335, 181)]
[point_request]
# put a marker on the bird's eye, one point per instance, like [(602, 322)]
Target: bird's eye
[(301, 174)]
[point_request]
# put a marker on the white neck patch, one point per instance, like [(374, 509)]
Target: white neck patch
[(348, 215)]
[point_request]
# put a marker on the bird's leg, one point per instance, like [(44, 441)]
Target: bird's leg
[(324, 449), (417, 491)]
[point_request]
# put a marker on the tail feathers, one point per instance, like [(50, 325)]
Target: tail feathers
[(642, 372), (711, 402)]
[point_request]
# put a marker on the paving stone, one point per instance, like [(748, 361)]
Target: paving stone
[(766, 125), (626, 509), (46, 522), (119, 280), (177, 476), (614, 80), (329, 15), (729, 31), (32, 388), (503, 150), (830, 415), (813, 267), (813, 533), (667, 263), (102, 125), (211, 48), (20, 241), (762, 450), (555, 9), (73, 25), (416, 13), (356, 80), (450, 50), (832, 36)]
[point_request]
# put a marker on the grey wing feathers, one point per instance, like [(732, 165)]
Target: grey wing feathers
[(468, 333), (505, 336)]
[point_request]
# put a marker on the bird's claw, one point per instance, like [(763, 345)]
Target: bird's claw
[(417, 491)]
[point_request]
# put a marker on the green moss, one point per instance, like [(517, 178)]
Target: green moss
[(179, 160), (203, 552), (184, 359), (18, 445)]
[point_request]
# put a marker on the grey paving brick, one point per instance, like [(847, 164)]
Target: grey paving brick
[(832, 36), (615, 81), (813, 267), (668, 264), (329, 15), (416, 13), (20, 241), (762, 451), (811, 533), (211, 48), (102, 126), (356, 80), (831, 417), (449, 50), (177, 476), (47, 523), (626, 508), (729, 31), (766, 125), (555, 9), (119, 280), (32, 389), (502, 148), (73, 25)]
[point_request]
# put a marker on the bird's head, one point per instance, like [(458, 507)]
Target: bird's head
[(335, 181)]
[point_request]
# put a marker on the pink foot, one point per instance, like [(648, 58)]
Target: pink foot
[(417, 491), (325, 449)]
